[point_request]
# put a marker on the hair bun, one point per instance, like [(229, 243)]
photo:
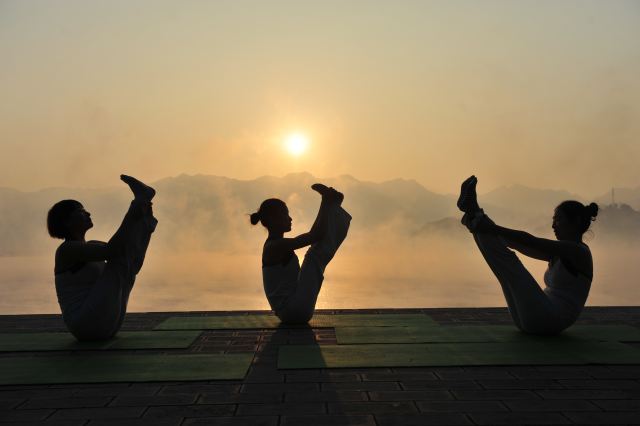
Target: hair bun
[(255, 218), (592, 210)]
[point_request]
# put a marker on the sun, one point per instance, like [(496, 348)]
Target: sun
[(296, 143)]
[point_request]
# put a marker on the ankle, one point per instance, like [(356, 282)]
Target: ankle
[(472, 218)]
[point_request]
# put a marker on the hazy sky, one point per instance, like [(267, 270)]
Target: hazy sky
[(542, 93)]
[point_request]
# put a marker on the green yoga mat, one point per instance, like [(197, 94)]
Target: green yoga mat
[(89, 368), (482, 333), (20, 342), (271, 321), (457, 354)]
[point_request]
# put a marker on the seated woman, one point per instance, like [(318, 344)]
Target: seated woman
[(291, 289), (93, 278), (568, 277)]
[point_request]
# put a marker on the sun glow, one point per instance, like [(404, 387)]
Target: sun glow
[(296, 143)]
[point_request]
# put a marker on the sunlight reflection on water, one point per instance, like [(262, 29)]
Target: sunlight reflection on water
[(442, 277)]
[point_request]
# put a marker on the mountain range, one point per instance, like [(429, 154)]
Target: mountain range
[(205, 212)]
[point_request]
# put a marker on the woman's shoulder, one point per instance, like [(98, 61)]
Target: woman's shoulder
[(585, 250), (61, 247), (272, 240), (580, 245), (271, 243), (74, 243)]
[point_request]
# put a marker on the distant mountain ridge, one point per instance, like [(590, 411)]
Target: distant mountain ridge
[(206, 212), (211, 212), (523, 199)]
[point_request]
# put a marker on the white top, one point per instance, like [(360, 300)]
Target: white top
[(280, 281), (566, 289), (73, 287)]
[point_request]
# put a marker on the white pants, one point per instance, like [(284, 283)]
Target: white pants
[(104, 309), (301, 305), (530, 307)]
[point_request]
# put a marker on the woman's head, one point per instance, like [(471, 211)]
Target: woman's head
[(67, 218), (572, 219), (273, 214)]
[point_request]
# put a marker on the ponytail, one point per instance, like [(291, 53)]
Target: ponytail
[(576, 211), (254, 218), (591, 211), (267, 209)]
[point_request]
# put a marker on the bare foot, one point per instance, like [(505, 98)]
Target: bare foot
[(463, 192), (139, 189), (321, 189), (329, 194), (472, 196), (468, 200)]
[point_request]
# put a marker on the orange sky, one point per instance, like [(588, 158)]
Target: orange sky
[(544, 94)]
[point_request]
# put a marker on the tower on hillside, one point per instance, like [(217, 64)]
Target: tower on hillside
[(613, 196)]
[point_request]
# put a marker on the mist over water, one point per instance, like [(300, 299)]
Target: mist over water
[(405, 248), (384, 275)]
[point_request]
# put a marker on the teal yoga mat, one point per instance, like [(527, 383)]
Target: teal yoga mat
[(457, 354), (479, 333), (19, 342), (271, 321), (91, 368)]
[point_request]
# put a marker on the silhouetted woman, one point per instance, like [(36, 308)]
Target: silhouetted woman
[(93, 278), (568, 277), (291, 289)]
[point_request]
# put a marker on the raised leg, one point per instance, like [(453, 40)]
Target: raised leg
[(301, 305), (104, 309), (529, 306)]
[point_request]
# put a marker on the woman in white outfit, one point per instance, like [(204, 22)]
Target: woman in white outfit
[(93, 278), (292, 290), (568, 277)]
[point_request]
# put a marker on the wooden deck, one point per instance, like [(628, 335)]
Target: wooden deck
[(377, 396)]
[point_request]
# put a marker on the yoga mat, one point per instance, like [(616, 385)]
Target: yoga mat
[(271, 321), (456, 354), (479, 333), (91, 368), (20, 342)]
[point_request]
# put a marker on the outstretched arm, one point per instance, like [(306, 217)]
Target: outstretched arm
[(285, 245), (73, 252), (538, 248), (523, 242), (80, 251), (527, 250)]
